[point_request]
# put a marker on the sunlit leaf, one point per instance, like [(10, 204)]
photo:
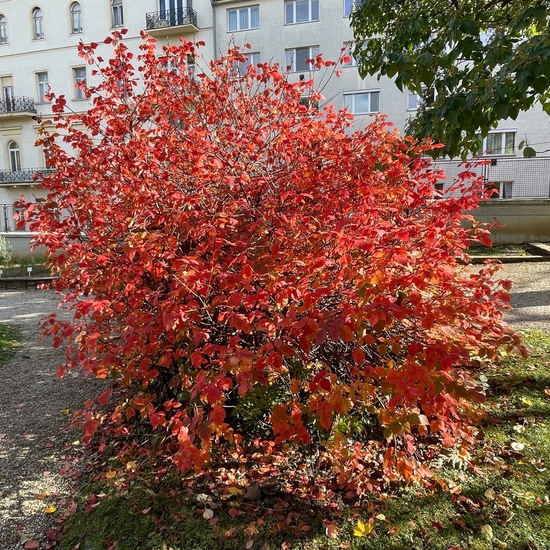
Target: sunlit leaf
[(487, 532), (362, 529)]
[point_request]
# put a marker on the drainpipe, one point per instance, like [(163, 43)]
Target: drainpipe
[(214, 33)]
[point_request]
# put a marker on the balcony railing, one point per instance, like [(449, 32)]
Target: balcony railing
[(17, 105), (24, 176), (162, 20)]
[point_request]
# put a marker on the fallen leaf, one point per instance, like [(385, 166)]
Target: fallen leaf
[(362, 529), (32, 544), (331, 529), (50, 509), (519, 428), (249, 544), (490, 494), (487, 532), (517, 446), (208, 514), (253, 493)]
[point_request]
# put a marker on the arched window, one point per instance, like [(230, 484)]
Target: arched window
[(76, 18), (38, 23), (15, 156), (3, 29), (118, 13)]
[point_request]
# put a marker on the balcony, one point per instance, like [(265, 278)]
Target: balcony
[(17, 106), (171, 22), (29, 175)]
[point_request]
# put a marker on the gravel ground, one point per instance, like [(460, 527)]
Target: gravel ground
[(34, 408), (33, 405)]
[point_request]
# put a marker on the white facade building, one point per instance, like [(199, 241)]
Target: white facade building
[(38, 49)]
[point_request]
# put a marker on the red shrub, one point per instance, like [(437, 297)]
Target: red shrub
[(255, 274)]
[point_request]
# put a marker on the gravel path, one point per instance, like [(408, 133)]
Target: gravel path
[(34, 408), (32, 405)]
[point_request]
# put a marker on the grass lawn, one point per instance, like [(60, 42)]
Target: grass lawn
[(499, 250), (500, 501)]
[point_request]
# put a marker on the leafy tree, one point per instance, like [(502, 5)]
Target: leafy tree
[(255, 277), (474, 62)]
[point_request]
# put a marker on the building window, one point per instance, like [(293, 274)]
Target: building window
[(79, 77), (306, 101), (301, 11), (15, 156), (76, 18), (350, 5), (349, 60), (42, 84), (117, 13), (3, 29), (499, 143), (38, 23), (415, 101), (240, 69), (297, 58), (362, 103), (500, 189), (243, 19)]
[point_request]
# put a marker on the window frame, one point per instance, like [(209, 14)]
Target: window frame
[(14, 156), (310, 10), (79, 93), (348, 46), (312, 54), (38, 23), (503, 147), (240, 69), (238, 11), (3, 29), (42, 84), (352, 108), (76, 17), (504, 189), (117, 14)]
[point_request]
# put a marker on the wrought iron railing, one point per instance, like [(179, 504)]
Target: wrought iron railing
[(24, 176), (17, 105), (170, 18), (512, 177)]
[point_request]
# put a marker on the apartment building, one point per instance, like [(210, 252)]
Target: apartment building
[(38, 50)]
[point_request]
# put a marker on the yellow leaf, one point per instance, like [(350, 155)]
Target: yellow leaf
[(362, 529), (50, 510), (235, 491), (65, 412), (110, 474), (527, 401), (487, 532), (131, 465)]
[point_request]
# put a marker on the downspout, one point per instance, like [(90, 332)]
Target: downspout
[(214, 33)]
